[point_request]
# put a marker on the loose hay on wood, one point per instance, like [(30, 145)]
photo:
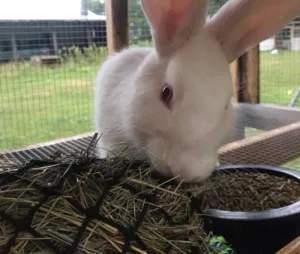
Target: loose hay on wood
[(80, 204)]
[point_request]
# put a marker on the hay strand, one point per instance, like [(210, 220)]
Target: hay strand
[(107, 205)]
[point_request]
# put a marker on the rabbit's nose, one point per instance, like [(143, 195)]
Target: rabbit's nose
[(168, 169)]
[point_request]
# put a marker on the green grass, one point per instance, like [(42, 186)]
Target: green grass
[(279, 77), (279, 80), (40, 104), (43, 103)]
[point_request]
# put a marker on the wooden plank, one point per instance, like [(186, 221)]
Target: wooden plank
[(49, 143), (49, 57), (235, 79), (265, 116), (248, 69), (274, 147), (292, 248), (117, 24), (45, 60), (261, 116), (252, 63)]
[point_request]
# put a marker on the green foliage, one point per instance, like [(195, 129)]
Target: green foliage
[(142, 43), (96, 6), (41, 103), (215, 5), (76, 55), (138, 25)]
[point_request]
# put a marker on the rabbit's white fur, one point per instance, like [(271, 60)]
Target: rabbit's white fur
[(134, 122)]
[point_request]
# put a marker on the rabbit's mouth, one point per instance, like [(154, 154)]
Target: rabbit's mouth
[(192, 168), (188, 165)]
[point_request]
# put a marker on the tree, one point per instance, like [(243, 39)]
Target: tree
[(215, 5), (138, 26), (96, 6)]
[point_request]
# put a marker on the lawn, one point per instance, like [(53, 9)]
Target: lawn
[(44, 103), (279, 77)]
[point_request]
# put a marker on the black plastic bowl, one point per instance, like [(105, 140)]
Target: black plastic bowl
[(263, 232)]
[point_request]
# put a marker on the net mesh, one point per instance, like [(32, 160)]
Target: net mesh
[(42, 209), (48, 63), (279, 58), (48, 68), (47, 74)]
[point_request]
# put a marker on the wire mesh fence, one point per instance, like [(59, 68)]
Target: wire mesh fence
[(45, 98), (48, 67), (139, 32), (279, 66), (47, 71)]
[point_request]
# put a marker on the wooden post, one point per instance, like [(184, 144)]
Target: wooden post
[(90, 37), (117, 24), (252, 69), (54, 39), (247, 86), (235, 79), (277, 41), (292, 248), (292, 37), (292, 33), (84, 8), (14, 46)]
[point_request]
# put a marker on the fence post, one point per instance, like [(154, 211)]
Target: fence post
[(235, 79), (246, 76), (54, 39), (14, 46), (116, 24)]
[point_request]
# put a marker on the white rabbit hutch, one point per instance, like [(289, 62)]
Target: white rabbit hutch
[(46, 100)]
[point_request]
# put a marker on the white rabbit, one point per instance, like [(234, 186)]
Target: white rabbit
[(171, 103)]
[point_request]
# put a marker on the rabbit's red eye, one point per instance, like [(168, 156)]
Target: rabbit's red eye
[(167, 95)]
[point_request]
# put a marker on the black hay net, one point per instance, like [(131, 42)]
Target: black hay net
[(34, 196)]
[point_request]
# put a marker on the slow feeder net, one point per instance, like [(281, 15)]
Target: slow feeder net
[(79, 204)]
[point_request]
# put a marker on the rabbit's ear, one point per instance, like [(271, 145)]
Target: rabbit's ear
[(173, 21), (240, 25)]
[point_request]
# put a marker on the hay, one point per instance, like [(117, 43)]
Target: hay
[(78, 202), (250, 191)]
